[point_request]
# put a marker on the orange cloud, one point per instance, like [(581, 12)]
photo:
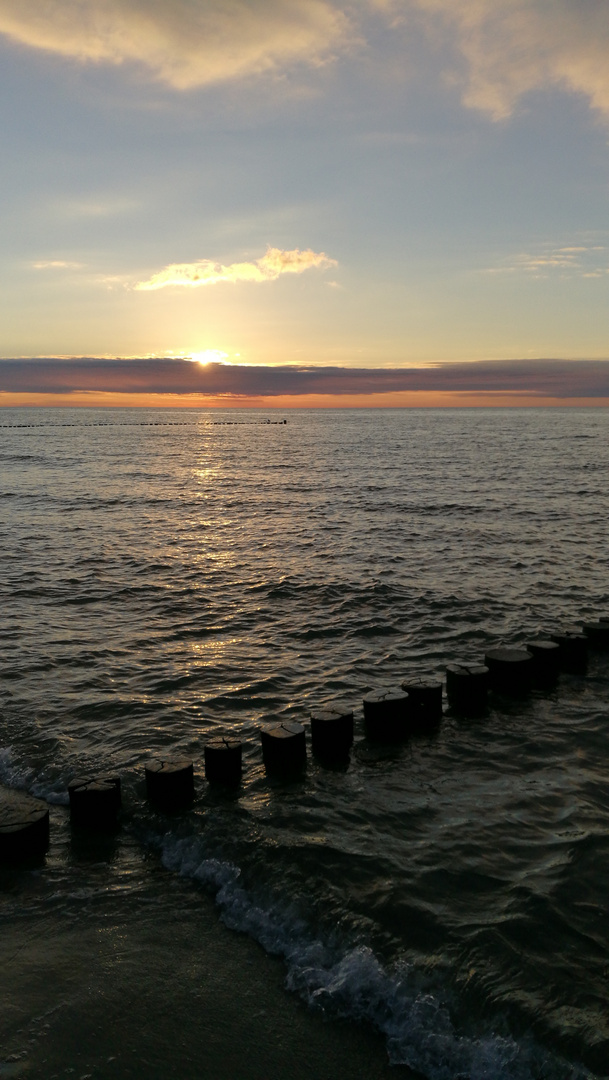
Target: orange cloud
[(206, 272), (406, 400)]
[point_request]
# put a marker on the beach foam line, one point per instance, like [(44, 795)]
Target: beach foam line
[(353, 984), (20, 777), (344, 982)]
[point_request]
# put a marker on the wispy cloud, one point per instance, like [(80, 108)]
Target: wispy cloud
[(56, 264), (561, 378), (185, 43), (104, 206), (583, 260), (268, 268)]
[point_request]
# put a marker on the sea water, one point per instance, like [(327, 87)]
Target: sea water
[(440, 906)]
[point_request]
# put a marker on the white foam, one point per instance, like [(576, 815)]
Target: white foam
[(21, 777), (11, 774), (354, 984)]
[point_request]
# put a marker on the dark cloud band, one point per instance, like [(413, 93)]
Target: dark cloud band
[(546, 378)]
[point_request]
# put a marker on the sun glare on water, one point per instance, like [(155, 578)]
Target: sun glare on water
[(209, 356)]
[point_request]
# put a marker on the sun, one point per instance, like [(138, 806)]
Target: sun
[(209, 356)]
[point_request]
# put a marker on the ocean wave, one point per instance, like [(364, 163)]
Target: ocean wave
[(20, 776), (353, 984)]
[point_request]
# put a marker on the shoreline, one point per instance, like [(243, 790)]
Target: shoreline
[(119, 968)]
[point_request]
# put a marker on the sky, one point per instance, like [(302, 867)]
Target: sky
[(235, 197)]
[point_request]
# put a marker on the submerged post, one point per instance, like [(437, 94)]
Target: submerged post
[(597, 633), (170, 782), (95, 803), (510, 671), (545, 653), (223, 761), (572, 651), (24, 827), (331, 734), (424, 702), (284, 750), (386, 715), (467, 688)]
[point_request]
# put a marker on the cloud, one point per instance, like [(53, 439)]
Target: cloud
[(542, 378), (56, 264), (185, 43), (587, 261), (268, 268), (498, 50), (511, 47)]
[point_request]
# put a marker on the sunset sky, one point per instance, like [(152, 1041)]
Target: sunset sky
[(380, 184)]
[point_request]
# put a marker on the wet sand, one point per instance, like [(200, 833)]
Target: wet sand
[(117, 968)]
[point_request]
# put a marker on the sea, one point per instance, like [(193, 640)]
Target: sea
[(435, 909)]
